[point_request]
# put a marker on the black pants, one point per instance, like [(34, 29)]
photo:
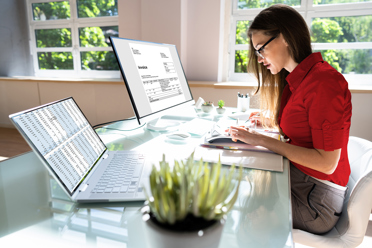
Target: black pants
[(316, 207)]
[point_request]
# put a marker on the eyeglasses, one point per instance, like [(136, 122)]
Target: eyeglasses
[(261, 50)]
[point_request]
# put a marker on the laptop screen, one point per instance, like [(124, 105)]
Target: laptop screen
[(62, 135)]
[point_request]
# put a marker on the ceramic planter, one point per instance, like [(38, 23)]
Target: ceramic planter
[(159, 236), (206, 108), (220, 110)]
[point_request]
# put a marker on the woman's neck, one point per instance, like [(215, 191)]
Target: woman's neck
[(291, 65)]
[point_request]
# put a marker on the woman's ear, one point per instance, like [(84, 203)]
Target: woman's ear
[(283, 40)]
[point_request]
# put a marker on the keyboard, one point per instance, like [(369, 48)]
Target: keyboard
[(121, 177), (198, 126)]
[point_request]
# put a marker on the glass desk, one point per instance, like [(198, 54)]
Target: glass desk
[(35, 210)]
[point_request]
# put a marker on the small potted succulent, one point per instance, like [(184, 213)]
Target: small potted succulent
[(189, 202), (220, 110), (207, 107)]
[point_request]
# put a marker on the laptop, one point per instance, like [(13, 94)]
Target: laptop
[(76, 157)]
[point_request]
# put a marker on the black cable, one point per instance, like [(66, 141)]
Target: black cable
[(132, 118)]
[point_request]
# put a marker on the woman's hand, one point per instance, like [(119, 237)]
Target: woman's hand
[(255, 117), (316, 159), (245, 135)]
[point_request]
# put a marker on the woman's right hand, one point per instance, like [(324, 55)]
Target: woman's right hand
[(255, 118)]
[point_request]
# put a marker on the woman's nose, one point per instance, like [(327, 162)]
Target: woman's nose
[(260, 59)]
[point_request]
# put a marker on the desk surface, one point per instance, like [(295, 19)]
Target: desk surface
[(34, 209)]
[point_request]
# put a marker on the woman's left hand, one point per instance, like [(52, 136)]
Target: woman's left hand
[(245, 135)]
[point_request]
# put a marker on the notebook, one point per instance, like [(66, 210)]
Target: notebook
[(76, 157)]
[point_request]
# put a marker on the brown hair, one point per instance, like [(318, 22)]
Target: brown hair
[(272, 21)]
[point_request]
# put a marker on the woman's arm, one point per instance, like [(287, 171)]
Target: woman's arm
[(316, 159)]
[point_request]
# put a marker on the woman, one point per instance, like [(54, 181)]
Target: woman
[(310, 103)]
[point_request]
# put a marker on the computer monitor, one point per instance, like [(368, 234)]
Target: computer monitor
[(154, 78)]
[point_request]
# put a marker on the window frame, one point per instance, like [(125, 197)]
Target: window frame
[(308, 11), (74, 23)]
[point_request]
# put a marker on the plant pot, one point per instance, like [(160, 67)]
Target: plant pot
[(206, 108), (163, 236), (220, 110)]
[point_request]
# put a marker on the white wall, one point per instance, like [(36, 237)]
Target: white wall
[(191, 25), (361, 119), (99, 102)]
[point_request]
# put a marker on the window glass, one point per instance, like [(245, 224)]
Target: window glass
[(60, 37), (318, 2), (241, 32), (252, 4), (97, 36), (51, 11), (55, 60), (241, 61), (342, 29), (349, 61), (101, 60), (98, 8)]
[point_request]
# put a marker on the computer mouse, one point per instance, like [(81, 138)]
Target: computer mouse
[(178, 136)]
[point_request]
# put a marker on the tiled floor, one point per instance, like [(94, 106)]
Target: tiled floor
[(12, 144)]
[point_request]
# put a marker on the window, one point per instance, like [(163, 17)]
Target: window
[(340, 29), (71, 38)]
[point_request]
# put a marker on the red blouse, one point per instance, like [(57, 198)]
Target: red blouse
[(315, 112)]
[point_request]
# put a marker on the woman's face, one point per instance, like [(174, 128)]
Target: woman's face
[(276, 53)]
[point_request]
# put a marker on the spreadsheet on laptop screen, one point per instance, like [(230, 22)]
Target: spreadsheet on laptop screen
[(65, 139)]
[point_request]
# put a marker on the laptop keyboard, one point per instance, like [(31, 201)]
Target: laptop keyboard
[(122, 174)]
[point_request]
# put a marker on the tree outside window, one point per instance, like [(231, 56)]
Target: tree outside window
[(346, 30), (57, 49)]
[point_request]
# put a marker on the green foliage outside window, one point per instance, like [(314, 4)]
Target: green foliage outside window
[(88, 36), (251, 4), (241, 56), (97, 36), (55, 61), (60, 37), (343, 30), (328, 30), (51, 11), (101, 60), (241, 32), (318, 2), (241, 61), (97, 8)]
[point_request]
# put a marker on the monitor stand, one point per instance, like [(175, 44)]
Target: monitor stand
[(160, 124)]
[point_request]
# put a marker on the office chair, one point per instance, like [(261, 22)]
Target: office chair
[(351, 227)]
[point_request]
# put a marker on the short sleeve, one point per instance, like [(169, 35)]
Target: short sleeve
[(325, 104)]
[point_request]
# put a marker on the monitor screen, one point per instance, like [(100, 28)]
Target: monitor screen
[(153, 75)]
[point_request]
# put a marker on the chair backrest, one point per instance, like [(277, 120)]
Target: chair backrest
[(358, 203), (360, 159)]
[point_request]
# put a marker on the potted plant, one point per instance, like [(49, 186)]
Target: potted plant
[(188, 203), (207, 107), (221, 109)]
